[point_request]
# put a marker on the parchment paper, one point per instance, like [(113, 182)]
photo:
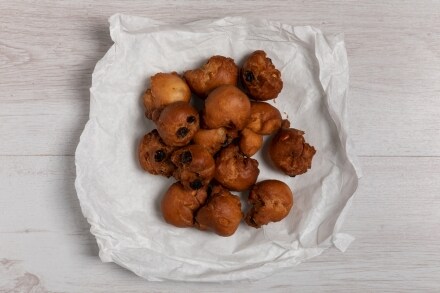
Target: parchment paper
[(121, 202)]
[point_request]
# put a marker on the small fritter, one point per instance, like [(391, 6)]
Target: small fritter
[(289, 151), (195, 166), (179, 205), (260, 77), (265, 119), (177, 123), (217, 71), (271, 201), (154, 155), (221, 213), (250, 142), (165, 89), (235, 171), (227, 106)]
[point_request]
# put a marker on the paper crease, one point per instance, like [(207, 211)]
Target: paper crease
[(113, 195)]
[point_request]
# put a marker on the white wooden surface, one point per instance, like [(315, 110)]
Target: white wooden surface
[(47, 53)]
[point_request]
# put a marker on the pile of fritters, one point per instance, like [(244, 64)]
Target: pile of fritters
[(209, 151)]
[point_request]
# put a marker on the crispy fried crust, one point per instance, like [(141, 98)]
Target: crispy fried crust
[(250, 142), (290, 153), (217, 71), (235, 171), (178, 123), (271, 201), (195, 166), (221, 214), (179, 204), (260, 77), (227, 106), (165, 89), (154, 155), (265, 119)]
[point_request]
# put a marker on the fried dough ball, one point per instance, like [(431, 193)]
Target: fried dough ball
[(250, 142), (260, 77), (221, 214), (154, 155), (289, 151), (271, 201), (177, 123), (165, 89), (217, 71), (235, 171), (227, 106), (179, 205), (211, 139), (195, 166), (265, 119)]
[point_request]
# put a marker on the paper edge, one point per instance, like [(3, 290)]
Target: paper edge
[(339, 240), (343, 240)]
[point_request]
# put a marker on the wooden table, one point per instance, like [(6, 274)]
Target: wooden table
[(48, 50)]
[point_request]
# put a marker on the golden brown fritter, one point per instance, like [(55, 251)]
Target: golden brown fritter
[(250, 142), (179, 205), (221, 213), (154, 155), (211, 139), (289, 151), (265, 119), (227, 106), (260, 77), (217, 71), (271, 201), (235, 171), (195, 166), (177, 123), (165, 89)]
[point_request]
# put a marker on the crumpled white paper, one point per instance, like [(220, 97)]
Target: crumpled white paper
[(121, 202)]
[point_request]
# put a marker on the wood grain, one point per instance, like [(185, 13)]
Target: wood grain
[(52, 48), (48, 50)]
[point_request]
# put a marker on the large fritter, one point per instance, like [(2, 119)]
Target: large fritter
[(221, 213), (271, 201), (154, 155), (217, 71), (260, 77), (289, 151)]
